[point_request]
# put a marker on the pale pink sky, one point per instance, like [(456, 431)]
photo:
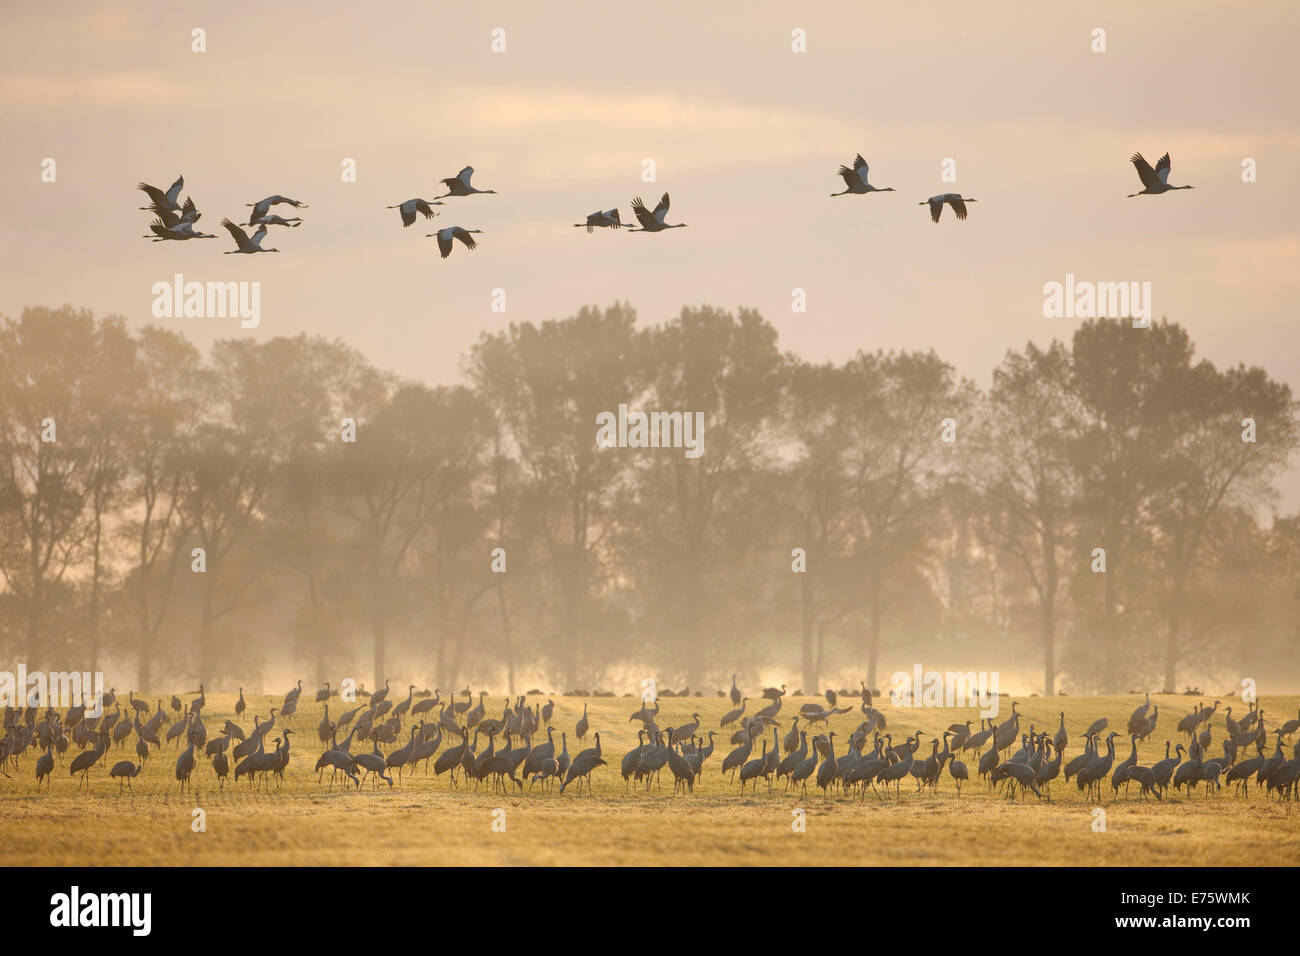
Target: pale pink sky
[(746, 136)]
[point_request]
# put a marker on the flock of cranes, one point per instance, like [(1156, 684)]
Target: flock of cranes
[(518, 751), (175, 220), (459, 185)]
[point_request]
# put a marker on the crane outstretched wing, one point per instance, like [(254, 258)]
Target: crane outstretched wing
[(642, 214), (1144, 170), (461, 178), (156, 195), (465, 237), (1162, 168), (241, 237)]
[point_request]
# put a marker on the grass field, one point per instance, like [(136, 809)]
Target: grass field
[(424, 821)]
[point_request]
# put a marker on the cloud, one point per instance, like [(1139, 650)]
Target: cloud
[(102, 89)]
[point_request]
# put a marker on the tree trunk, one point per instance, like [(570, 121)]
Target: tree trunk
[(807, 615), (379, 633), (873, 644), (505, 634), (92, 624), (1173, 641), (144, 670), (1047, 631), (205, 625), (1109, 675), (34, 661)]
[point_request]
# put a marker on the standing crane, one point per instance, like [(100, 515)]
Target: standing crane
[(185, 764), (583, 765), (124, 770)]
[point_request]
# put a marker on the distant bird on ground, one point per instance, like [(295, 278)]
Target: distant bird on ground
[(407, 210), (458, 185), (82, 762), (44, 767), (124, 769), (1155, 181), (583, 765), (1138, 717), (653, 221), (855, 180), (731, 716), (245, 244), (580, 732), (601, 218), (959, 773), (445, 236), (185, 764), (221, 767), (160, 200), (955, 200), (1097, 726)]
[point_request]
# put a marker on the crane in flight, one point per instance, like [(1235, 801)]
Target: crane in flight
[(245, 244), (407, 210), (160, 200), (170, 226), (270, 201), (855, 180), (459, 185), (653, 221), (954, 200), (602, 218), (1155, 181), (445, 236), (261, 214)]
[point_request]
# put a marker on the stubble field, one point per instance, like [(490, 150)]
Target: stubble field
[(423, 820)]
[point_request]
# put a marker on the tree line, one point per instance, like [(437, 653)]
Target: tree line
[(1104, 512)]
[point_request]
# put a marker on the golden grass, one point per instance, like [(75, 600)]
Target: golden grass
[(425, 821)]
